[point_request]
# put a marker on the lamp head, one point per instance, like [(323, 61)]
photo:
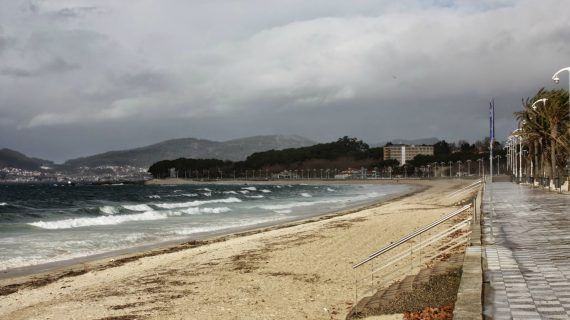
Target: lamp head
[(556, 80)]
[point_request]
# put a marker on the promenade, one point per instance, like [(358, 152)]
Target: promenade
[(526, 236)]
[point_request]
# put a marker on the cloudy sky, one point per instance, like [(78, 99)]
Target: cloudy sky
[(84, 76)]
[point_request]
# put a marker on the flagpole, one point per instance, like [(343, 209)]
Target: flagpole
[(491, 135)]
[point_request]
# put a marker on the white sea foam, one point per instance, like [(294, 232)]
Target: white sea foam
[(265, 191), (207, 194), (249, 188), (331, 190), (243, 191), (99, 221), (306, 195), (108, 210), (206, 210), (230, 192), (137, 207), (255, 196), (215, 210), (3, 204), (196, 203), (190, 194), (154, 196), (205, 189), (284, 211)]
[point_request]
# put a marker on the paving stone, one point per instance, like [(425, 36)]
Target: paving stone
[(526, 244)]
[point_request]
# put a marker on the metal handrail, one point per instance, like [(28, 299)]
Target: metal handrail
[(412, 235), (421, 245), (473, 185)]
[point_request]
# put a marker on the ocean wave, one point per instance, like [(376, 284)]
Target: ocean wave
[(195, 203), (249, 188), (230, 192), (3, 204), (154, 196), (265, 191), (205, 189), (244, 191), (306, 195), (206, 210), (255, 196), (207, 194), (284, 211), (99, 221), (190, 194), (137, 207), (108, 210), (215, 210), (331, 190)]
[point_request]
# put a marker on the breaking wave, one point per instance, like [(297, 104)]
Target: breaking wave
[(195, 203), (108, 210), (137, 207)]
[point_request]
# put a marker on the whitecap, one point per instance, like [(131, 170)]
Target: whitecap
[(230, 192), (205, 189), (265, 191), (99, 221), (306, 195), (190, 194), (137, 207), (284, 211), (154, 196), (255, 196), (243, 191), (207, 194), (196, 203), (215, 210), (108, 210), (331, 190), (249, 188), (3, 204)]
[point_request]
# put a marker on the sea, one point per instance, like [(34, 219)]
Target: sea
[(43, 224)]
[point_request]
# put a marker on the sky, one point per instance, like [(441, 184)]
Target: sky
[(86, 76)]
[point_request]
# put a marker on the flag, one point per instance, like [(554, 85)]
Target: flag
[(492, 120)]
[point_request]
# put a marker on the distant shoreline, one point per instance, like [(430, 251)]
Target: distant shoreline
[(180, 181)]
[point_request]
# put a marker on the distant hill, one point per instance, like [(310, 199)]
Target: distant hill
[(15, 159), (235, 150), (428, 141)]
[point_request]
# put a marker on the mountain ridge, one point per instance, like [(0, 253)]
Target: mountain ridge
[(234, 149), (15, 159)]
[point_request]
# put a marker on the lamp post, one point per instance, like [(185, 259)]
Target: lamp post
[(480, 161), (459, 168), (469, 167), (498, 164), (556, 80), (450, 165)]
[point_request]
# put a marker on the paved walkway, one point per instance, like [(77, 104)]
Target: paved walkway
[(526, 234)]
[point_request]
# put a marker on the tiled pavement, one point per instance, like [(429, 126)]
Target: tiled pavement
[(526, 235)]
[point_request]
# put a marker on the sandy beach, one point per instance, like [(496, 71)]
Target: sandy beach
[(298, 272)]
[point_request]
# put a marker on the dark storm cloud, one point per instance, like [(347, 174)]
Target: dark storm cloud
[(79, 77)]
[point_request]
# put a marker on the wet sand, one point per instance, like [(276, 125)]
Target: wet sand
[(302, 271)]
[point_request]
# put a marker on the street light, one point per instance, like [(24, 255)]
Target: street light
[(459, 165), (480, 165), (556, 80), (469, 167), (543, 100)]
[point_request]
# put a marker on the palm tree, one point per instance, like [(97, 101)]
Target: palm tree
[(545, 128)]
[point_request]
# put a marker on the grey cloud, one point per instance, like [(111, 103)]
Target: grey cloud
[(75, 12), (54, 66), (219, 69)]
